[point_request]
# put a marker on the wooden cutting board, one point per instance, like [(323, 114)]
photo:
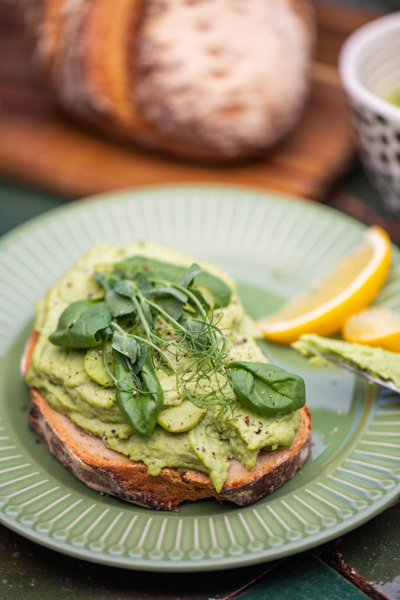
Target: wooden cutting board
[(42, 148)]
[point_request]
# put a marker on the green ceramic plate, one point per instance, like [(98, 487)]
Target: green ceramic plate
[(273, 246)]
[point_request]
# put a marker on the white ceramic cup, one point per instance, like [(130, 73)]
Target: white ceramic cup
[(369, 66)]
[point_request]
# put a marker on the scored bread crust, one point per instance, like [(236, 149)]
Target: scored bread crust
[(113, 473)]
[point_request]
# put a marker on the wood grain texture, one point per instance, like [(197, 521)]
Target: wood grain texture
[(41, 147)]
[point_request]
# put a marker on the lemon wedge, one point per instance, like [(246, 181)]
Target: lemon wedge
[(375, 326), (347, 289)]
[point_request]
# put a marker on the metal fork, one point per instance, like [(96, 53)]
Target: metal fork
[(387, 384)]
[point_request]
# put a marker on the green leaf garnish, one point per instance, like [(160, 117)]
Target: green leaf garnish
[(170, 305), (159, 291), (118, 305), (265, 388), (200, 299), (143, 284), (148, 315), (199, 335), (81, 325), (125, 345), (128, 351), (188, 276), (106, 277), (126, 287), (173, 273), (140, 403)]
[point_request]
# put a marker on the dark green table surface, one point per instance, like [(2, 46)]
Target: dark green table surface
[(366, 559)]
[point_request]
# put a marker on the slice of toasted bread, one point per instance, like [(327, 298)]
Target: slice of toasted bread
[(110, 472)]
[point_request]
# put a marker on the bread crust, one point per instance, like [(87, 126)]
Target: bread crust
[(174, 75), (202, 85), (43, 27), (113, 473)]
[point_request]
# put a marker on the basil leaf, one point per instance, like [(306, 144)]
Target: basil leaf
[(173, 273), (140, 410), (189, 275), (82, 325), (266, 389), (118, 305)]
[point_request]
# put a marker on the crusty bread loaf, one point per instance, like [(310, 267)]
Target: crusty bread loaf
[(206, 79), (110, 472)]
